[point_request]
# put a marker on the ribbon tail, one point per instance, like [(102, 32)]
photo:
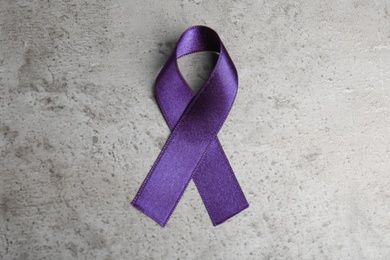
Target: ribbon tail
[(218, 186)]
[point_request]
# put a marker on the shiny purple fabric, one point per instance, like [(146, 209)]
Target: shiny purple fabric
[(193, 149)]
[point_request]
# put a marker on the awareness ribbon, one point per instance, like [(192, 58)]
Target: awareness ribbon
[(193, 149)]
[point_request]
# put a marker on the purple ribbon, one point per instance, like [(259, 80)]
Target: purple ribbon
[(193, 149)]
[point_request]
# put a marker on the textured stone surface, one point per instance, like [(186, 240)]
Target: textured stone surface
[(308, 136)]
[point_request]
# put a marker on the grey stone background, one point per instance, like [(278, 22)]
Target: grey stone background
[(308, 136)]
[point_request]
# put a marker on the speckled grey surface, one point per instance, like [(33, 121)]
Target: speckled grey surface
[(308, 136)]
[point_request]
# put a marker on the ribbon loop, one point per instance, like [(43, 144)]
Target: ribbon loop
[(193, 150)]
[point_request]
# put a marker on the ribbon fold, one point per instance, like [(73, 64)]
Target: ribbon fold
[(193, 150)]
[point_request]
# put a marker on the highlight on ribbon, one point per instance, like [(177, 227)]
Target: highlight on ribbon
[(193, 150)]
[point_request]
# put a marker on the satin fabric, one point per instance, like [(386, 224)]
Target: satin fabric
[(193, 149)]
